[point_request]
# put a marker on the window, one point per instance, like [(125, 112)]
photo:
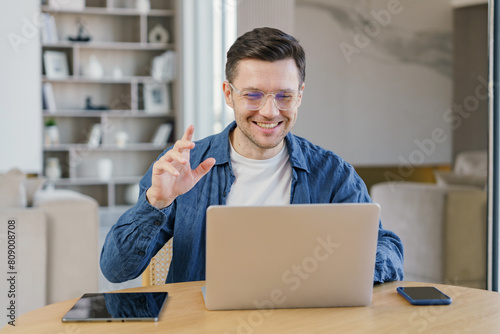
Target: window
[(209, 29)]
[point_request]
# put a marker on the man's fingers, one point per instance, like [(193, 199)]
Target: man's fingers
[(183, 144), (161, 167), (188, 134), (204, 167), (174, 155)]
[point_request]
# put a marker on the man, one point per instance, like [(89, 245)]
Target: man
[(254, 161)]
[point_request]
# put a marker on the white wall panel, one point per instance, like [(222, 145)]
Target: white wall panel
[(20, 92)]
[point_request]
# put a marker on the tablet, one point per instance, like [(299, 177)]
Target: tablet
[(118, 306)]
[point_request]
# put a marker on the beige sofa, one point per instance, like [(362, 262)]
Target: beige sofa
[(56, 252), (443, 226)]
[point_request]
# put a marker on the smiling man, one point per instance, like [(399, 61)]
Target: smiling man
[(254, 161)]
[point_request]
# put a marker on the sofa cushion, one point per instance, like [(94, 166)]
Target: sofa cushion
[(472, 163), (451, 178), (13, 189), (55, 195), (33, 184)]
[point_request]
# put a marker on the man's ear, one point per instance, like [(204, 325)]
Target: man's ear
[(301, 93), (226, 88)]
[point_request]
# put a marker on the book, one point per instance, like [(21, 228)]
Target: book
[(48, 29), (95, 136), (49, 100), (163, 67), (162, 134)]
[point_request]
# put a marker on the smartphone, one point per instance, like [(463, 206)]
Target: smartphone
[(424, 295)]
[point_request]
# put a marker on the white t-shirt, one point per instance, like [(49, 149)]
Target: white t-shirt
[(260, 182)]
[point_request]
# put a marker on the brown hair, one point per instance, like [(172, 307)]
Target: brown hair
[(268, 44)]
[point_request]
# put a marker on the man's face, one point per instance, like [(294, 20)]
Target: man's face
[(259, 133)]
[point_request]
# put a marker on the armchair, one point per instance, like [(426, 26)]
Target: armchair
[(443, 226), (56, 254), (443, 230)]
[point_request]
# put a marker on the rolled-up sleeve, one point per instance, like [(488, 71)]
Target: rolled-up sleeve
[(134, 239), (390, 255)]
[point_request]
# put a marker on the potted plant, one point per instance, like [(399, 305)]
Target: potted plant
[(51, 132)]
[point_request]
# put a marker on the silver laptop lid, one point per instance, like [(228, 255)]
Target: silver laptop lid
[(308, 255)]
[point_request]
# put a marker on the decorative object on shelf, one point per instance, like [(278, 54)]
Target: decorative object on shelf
[(132, 193), (80, 37), (163, 67), (53, 169), (117, 72), (143, 6), (121, 138), (162, 134), (48, 29), (94, 68), (51, 133), (90, 106), (158, 34), (49, 101), (56, 64), (95, 136), (156, 98), (73, 4), (105, 169)]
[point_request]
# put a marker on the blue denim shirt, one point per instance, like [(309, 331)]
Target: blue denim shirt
[(318, 176)]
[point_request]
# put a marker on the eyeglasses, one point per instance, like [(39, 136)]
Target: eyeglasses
[(256, 99)]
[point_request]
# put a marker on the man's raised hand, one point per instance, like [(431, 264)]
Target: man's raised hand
[(172, 174)]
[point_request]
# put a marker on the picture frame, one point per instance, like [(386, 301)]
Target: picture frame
[(156, 98), (56, 64)]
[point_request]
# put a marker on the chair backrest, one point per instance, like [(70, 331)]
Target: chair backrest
[(157, 270)]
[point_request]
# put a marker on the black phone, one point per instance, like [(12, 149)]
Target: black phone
[(424, 295)]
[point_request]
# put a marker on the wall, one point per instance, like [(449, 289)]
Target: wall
[(378, 86), (470, 129), (20, 88), (266, 13)]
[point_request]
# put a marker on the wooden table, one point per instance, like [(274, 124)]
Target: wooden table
[(472, 311)]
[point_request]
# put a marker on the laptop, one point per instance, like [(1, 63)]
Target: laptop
[(294, 256)]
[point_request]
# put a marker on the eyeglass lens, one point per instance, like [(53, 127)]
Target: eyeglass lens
[(256, 99)]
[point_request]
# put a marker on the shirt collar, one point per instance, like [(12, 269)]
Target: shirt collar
[(221, 152)]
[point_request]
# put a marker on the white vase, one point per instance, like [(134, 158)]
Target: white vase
[(121, 139), (117, 72), (53, 169), (143, 6), (94, 68), (51, 135), (105, 169), (158, 35), (132, 194)]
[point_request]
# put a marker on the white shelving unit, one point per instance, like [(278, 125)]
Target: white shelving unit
[(119, 38)]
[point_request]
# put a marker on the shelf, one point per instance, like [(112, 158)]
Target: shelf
[(104, 148), (110, 45), (124, 80), (96, 181), (110, 11), (120, 42), (107, 113)]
